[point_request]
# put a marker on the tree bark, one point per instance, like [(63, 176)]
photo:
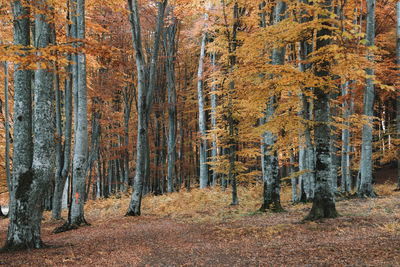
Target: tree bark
[(81, 135), (323, 202), (345, 185), (214, 105), (145, 97), (170, 55), (202, 116), (271, 175), (7, 133), (365, 187), (32, 168)]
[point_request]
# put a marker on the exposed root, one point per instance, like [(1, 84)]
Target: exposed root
[(67, 226)]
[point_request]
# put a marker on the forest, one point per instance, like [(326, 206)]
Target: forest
[(200, 132)]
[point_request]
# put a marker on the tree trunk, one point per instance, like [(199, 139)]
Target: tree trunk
[(271, 175), (293, 179), (170, 55), (7, 133), (202, 117), (306, 153), (145, 97), (214, 105), (128, 99), (323, 202), (365, 187), (32, 175), (345, 185), (81, 135), (62, 152)]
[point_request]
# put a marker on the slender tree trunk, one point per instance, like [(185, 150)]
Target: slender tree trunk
[(324, 201), (214, 105), (7, 133), (170, 55), (345, 185), (306, 152), (365, 187), (332, 147), (145, 97), (128, 99), (231, 121), (59, 179), (81, 134), (202, 116), (293, 179)]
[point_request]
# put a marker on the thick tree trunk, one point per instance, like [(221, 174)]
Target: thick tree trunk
[(81, 135), (21, 231), (145, 97), (324, 201), (31, 177), (202, 117), (271, 175), (365, 187)]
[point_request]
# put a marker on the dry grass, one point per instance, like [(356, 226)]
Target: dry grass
[(213, 204)]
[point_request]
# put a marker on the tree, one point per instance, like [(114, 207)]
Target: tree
[(365, 185), (81, 135), (323, 202), (7, 131), (270, 160), (32, 168), (202, 115), (145, 96), (64, 161), (170, 56)]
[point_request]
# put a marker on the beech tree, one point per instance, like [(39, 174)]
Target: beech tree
[(323, 202), (202, 115), (145, 96), (365, 185), (270, 159), (63, 150), (32, 169)]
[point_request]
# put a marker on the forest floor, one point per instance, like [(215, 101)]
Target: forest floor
[(200, 228)]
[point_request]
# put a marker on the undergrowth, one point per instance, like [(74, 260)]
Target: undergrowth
[(212, 204)]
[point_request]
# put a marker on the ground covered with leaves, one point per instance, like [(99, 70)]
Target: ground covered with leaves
[(201, 228)]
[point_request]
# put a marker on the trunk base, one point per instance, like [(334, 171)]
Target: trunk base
[(70, 226), (32, 244), (274, 207), (132, 213), (322, 209)]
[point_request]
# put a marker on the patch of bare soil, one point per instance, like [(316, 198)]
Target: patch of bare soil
[(366, 234)]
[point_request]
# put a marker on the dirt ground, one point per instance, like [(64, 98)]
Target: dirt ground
[(366, 234)]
